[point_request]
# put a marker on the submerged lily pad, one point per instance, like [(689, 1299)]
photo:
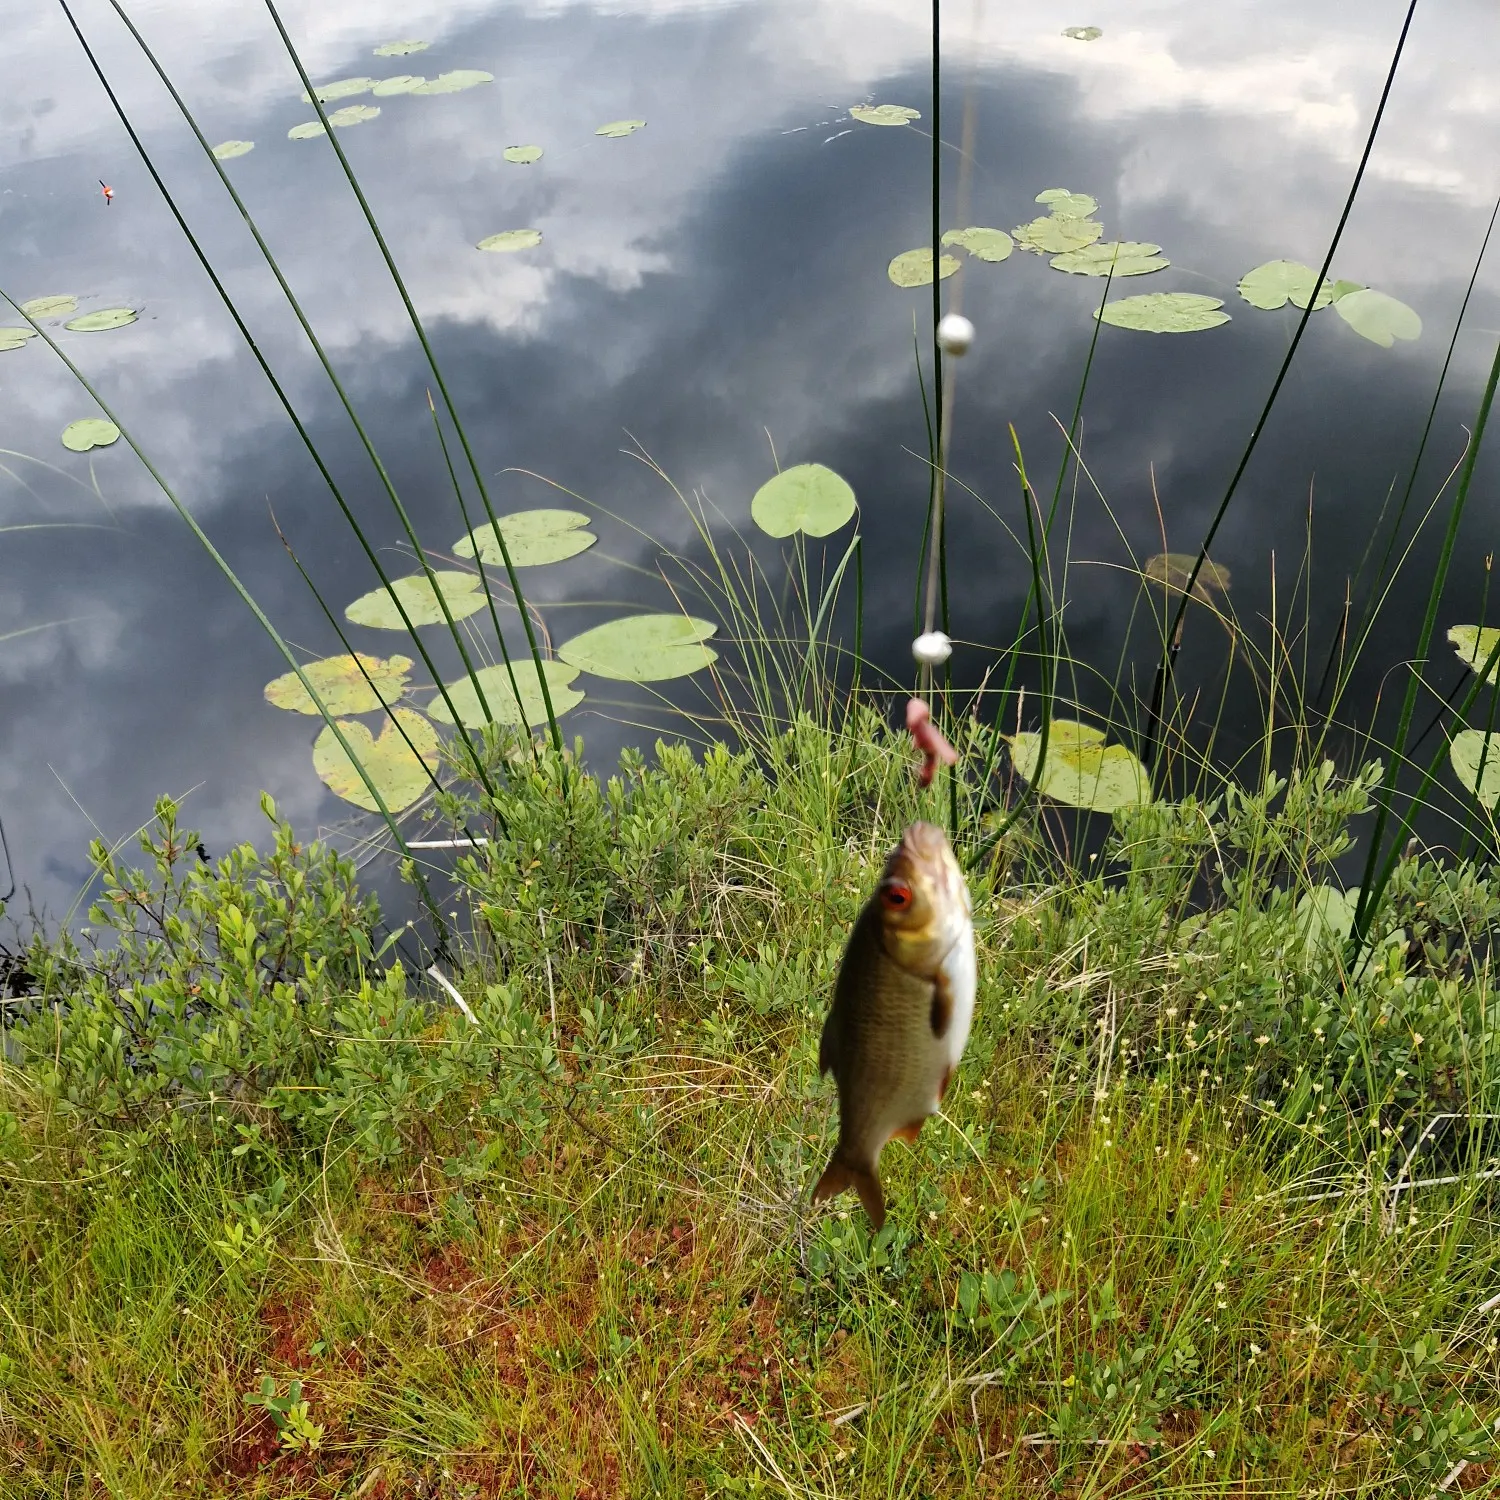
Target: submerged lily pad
[(342, 88), (883, 114), (1057, 236), (388, 761), (1082, 33), (354, 114), (809, 498), (511, 239), (15, 337), (984, 244), (1063, 204), (1080, 769), (1378, 317), (500, 696), (402, 48), (532, 537), (643, 648), (618, 128), (400, 83), (460, 591), (914, 268), (50, 307), (305, 131), (1474, 644), (524, 155), (341, 685), (1173, 569), (1122, 257), (1277, 282), (103, 320), (228, 150), (1468, 749), (1164, 312), (89, 432)]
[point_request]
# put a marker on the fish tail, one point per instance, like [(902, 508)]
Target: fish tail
[(839, 1175)]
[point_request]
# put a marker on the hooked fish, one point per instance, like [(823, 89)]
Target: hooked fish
[(902, 1006)]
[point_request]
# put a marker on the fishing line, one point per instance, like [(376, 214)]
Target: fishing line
[(10, 869)]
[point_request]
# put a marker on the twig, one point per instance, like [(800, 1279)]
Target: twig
[(453, 993), (446, 843)]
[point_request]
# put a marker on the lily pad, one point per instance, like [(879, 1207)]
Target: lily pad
[(1468, 748), (456, 81), (228, 150), (1173, 569), (1082, 33), (1474, 644), (1164, 312), (1057, 236), (809, 498), (354, 114), (1277, 282), (532, 537), (522, 155), (511, 239), (89, 432), (1377, 317), (400, 83), (461, 591), (50, 307), (403, 48), (98, 322), (305, 131), (1063, 204), (15, 337), (500, 697), (1080, 769), (388, 761), (342, 88), (1122, 257), (643, 648), (1326, 916), (914, 268), (341, 685), (984, 244), (884, 114)]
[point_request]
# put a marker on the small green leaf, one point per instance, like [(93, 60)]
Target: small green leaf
[(456, 81), (1277, 282), (884, 114), (1474, 645), (378, 609), (89, 432), (1057, 236), (643, 648), (984, 244), (500, 697), (807, 497), (511, 239), (533, 537), (1082, 33), (1122, 257), (1377, 317), (306, 131), (228, 150), (914, 268), (1468, 748), (50, 307), (104, 319), (341, 685), (522, 155), (343, 88), (1063, 204), (403, 48), (15, 337), (1173, 569), (1164, 312), (1080, 770), (354, 114), (400, 776), (400, 83), (618, 128)]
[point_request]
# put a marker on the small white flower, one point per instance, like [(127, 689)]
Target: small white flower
[(954, 335), (932, 649)]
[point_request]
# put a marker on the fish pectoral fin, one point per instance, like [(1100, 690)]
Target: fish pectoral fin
[(942, 1006), (839, 1175), (909, 1133)]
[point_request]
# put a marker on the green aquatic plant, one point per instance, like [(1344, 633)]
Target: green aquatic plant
[(914, 267), (102, 321), (884, 114), (89, 432), (807, 498), (1165, 312), (618, 129), (508, 240)]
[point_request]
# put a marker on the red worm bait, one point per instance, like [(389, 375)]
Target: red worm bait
[(929, 740)]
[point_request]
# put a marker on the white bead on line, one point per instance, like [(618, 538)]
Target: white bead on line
[(932, 649), (954, 334)]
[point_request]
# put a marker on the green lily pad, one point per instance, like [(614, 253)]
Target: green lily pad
[(305, 131), (461, 592), (1082, 33), (354, 114), (1468, 748), (1326, 916), (1377, 317), (104, 319), (914, 268), (618, 128), (522, 155), (403, 48), (1342, 288), (511, 239), (342, 88), (984, 244), (1057, 236), (400, 83), (1277, 282), (228, 150), (1474, 644), (456, 81), (532, 537), (1173, 569), (1122, 257), (883, 114), (1080, 770), (807, 497), (500, 697), (341, 685), (388, 761), (50, 307), (15, 337), (1063, 204), (1164, 312), (89, 432), (643, 648)]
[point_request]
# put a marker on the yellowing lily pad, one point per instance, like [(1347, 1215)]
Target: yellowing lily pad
[(511, 239), (50, 307), (456, 81), (403, 48), (105, 318), (914, 268), (522, 155), (228, 150), (984, 244), (809, 498), (532, 537), (1117, 257), (15, 337), (90, 432), (1377, 317), (883, 114), (354, 114), (342, 88), (1082, 33), (1474, 644), (1056, 236), (1080, 770), (341, 685), (400, 776), (618, 128), (1468, 749), (1063, 204), (500, 697), (1173, 569), (460, 591), (1164, 312), (400, 83), (643, 648), (305, 131)]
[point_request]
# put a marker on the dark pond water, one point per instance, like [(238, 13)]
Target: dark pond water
[(714, 277)]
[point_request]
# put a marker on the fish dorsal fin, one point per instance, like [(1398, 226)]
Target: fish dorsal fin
[(942, 1006)]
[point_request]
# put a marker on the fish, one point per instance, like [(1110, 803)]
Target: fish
[(903, 1003)]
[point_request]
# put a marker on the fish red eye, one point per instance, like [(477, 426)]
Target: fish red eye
[(897, 897)]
